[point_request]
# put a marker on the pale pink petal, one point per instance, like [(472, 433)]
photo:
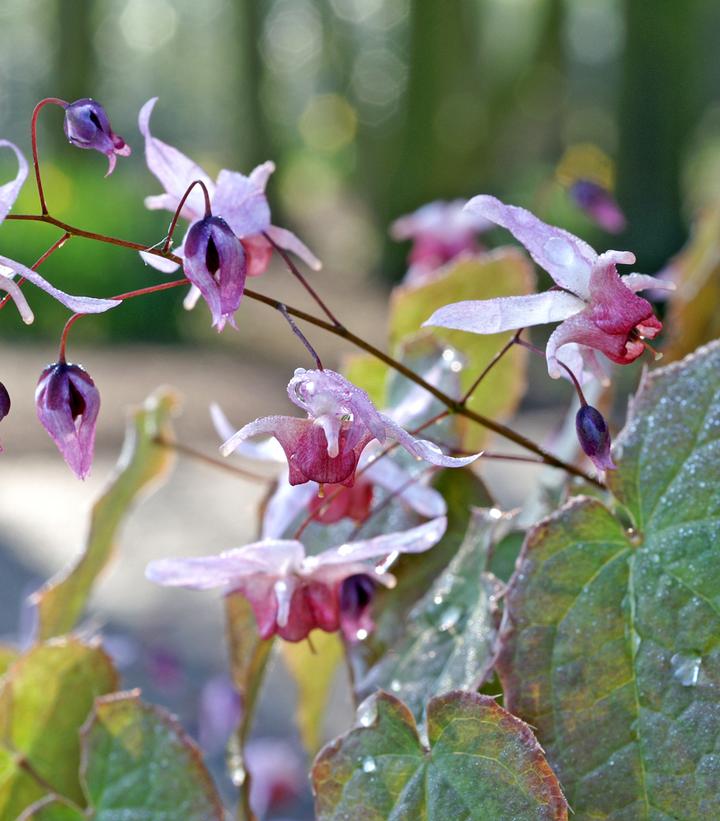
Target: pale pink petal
[(286, 504), (268, 450), (242, 203), (422, 499), (201, 573), (642, 282), (272, 425), (491, 316), (416, 540), (289, 242), (566, 258), (261, 174), (166, 266), (166, 202), (273, 556), (77, 304), (192, 298), (423, 449), (173, 169), (17, 296), (10, 190)]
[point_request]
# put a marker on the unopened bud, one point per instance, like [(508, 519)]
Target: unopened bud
[(594, 437), (87, 126), (4, 402)]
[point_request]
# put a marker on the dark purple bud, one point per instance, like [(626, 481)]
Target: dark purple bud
[(4, 402), (67, 404), (594, 437), (356, 595), (87, 126), (215, 262), (598, 203)]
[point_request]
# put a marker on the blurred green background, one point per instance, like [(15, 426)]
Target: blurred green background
[(369, 108)]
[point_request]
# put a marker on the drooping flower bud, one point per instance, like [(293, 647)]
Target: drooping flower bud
[(216, 263), (594, 437), (356, 595), (598, 203), (87, 126), (67, 404), (4, 404)]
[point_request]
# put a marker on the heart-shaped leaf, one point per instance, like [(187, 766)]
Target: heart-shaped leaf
[(612, 638), (480, 763)]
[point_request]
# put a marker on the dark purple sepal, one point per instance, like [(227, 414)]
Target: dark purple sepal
[(594, 437), (87, 126), (4, 405), (67, 404), (215, 261), (356, 596)]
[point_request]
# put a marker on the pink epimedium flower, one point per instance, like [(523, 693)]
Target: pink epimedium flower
[(292, 594), (598, 309), (216, 264), (87, 126), (240, 200), (10, 268), (440, 231), (341, 421), (67, 404)]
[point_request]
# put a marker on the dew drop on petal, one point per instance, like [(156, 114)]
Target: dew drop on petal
[(367, 712), (395, 685), (361, 635), (686, 668), (449, 618), (559, 252)]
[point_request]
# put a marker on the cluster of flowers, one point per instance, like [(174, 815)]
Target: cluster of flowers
[(336, 449)]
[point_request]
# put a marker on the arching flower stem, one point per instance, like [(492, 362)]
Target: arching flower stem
[(33, 140)]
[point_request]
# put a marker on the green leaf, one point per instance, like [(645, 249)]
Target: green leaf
[(481, 763), (314, 669), (449, 635), (138, 763), (415, 573), (504, 272), (368, 373), (45, 697), (612, 642), (142, 466)]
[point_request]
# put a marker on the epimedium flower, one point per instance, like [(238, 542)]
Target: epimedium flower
[(341, 421), (291, 593), (598, 309), (594, 437), (67, 404), (9, 268), (440, 231), (338, 502), (87, 126), (216, 264), (599, 204), (240, 200)]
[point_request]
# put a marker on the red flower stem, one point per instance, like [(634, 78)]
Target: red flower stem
[(222, 464), (498, 356), (51, 250), (176, 215), (33, 140), (301, 336), (306, 285), (334, 327), (152, 289), (581, 395)]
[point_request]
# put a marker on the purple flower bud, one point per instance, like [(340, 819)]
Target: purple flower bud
[(87, 126), (67, 404), (4, 402), (216, 263), (594, 437), (598, 203), (356, 595)]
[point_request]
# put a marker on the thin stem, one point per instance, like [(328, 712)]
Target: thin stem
[(498, 356), (51, 250), (579, 390), (176, 215), (301, 336), (306, 285), (334, 327), (199, 456), (511, 457), (33, 140)]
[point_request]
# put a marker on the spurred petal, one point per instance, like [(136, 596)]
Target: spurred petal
[(416, 540), (269, 450), (10, 190), (167, 266), (643, 282), (173, 169), (289, 242), (242, 203), (491, 316), (286, 428), (285, 505), (566, 258), (77, 304), (422, 448), (18, 297)]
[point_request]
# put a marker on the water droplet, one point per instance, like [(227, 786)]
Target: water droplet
[(235, 763), (494, 513), (686, 668), (438, 600), (559, 251), (367, 712), (395, 686), (449, 618), (369, 765), (361, 635), (456, 366)]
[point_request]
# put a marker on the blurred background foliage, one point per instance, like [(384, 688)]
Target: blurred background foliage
[(369, 108)]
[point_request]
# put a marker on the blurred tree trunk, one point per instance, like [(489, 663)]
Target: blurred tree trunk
[(75, 61), (659, 106)]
